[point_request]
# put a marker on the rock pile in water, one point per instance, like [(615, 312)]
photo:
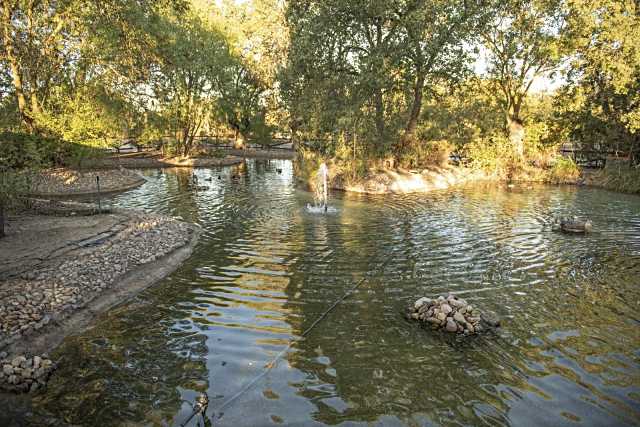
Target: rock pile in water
[(450, 314), (24, 374)]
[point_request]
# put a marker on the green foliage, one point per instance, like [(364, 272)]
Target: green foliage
[(564, 171), (620, 177), (364, 73), (600, 105), (421, 154), (493, 155)]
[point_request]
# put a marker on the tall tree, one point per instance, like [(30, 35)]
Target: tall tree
[(600, 105), (525, 42)]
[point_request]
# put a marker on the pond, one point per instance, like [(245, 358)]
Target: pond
[(265, 269)]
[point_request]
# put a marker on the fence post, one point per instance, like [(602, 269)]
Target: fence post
[(99, 200)]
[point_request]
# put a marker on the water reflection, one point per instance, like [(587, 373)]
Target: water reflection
[(265, 269)]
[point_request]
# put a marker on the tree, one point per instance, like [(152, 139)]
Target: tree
[(436, 33), (369, 63), (600, 106), (524, 42), (33, 40)]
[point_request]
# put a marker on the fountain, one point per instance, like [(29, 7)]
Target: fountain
[(321, 190)]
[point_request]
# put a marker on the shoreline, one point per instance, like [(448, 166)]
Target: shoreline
[(58, 285), (398, 181), (127, 286), (66, 182), (253, 153), (155, 160)]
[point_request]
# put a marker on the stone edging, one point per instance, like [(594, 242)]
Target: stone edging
[(133, 282), (108, 190)]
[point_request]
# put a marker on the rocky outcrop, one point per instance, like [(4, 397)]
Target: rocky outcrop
[(451, 314)]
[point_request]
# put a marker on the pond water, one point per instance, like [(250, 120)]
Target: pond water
[(265, 269)]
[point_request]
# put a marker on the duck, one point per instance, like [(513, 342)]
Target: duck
[(573, 225), (209, 179)]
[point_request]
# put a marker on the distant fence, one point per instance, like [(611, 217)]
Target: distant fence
[(597, 159)]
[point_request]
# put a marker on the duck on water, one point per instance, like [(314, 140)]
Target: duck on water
[(572, 225)]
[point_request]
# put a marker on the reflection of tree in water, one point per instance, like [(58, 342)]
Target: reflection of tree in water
[(181, 196)]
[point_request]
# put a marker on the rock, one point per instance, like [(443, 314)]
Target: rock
[(7, 370), (452, 314), (37, 360), (490, 319), (451, 326), (18, 360), (456, 303), (458, 317), (420, 302)]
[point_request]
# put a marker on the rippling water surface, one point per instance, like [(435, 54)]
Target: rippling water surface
[(265, 269)]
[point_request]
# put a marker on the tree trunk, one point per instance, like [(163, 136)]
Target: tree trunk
[(15, 68), (379, 104), (239, 142), (185, 141), (414, 115), (515, 129)]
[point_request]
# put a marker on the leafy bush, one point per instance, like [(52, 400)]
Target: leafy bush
[(171, 148), (21, 150), (564, 171), (419, 154), (493, 155)]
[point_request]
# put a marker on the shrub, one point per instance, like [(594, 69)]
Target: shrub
[(419, 154), (564, 171), (493, 155)]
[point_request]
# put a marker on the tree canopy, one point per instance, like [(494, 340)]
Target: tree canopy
[(366, 79)]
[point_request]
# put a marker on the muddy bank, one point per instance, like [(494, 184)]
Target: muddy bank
[(384, 181), (252, 153), (156, 160), (59, 272)]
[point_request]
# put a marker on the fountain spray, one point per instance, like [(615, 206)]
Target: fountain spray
[(324, 171)]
